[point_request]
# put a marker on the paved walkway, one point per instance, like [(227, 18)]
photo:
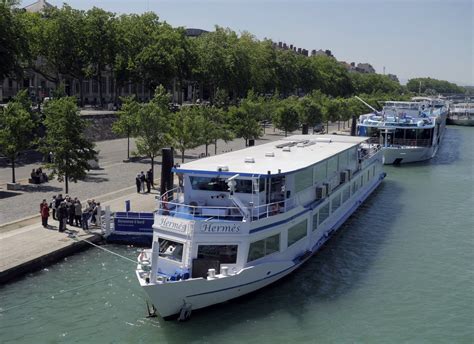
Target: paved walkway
[(25, 246)]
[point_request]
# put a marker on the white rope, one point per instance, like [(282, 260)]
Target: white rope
[(106, 250)]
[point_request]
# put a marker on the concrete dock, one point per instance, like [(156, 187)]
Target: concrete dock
[(26, 246)]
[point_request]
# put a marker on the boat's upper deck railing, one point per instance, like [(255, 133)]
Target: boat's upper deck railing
[(172, 203)]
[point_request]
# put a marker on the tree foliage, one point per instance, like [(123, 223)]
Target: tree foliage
[(286, 116), (17, 126), (65, 140), (429, 85), (188, 126), (153, 125)]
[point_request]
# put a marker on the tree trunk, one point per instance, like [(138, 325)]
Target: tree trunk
[(152, 169), (66, 181), (99, 80), (182, 156), (81, 92), (13, 170), (215, 147), (327, 127), (128, 144), (207, 145), (246, 142)]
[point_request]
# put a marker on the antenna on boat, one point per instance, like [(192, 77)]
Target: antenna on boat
[(366, 104)]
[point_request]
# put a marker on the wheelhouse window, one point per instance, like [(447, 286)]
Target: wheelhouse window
[(171, 249), (323, 213), (220, 184), (297, 232), (264, 247), (225, 254)]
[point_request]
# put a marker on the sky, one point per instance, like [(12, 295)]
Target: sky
[(417, 38)]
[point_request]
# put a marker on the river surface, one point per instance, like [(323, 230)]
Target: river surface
[(401, 269)]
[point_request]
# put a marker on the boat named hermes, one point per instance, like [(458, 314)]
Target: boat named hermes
[(242, 220)]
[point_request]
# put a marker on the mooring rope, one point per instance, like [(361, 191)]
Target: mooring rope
[(106, 250)]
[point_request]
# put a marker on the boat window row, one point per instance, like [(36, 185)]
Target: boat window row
[(340, 197), (322, 171), (297, 232), (220, 184), (264, 247)]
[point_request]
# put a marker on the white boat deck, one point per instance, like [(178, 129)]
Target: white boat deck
[(278, 157)]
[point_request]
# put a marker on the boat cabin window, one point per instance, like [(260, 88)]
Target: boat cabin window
[(320, 172), (297, 232), (225, 254), (336, 202), (303, 179), (220, 184), (332, 165), (346, 194), (315, 221), (171, 249), (324, 213), (264, 247)]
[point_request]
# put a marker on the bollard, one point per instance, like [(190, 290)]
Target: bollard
[(127, 205), (107, 220)]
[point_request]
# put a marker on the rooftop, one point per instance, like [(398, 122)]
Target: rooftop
[(283, 156)]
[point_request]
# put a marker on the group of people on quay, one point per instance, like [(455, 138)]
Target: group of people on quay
[(38, 176), (69, 211), (142, 180)]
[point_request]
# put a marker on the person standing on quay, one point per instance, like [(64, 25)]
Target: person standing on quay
[(78, 213), (44, 211), (53, 206), (62, 216), (142, 181), (58, 202), (138, 182), (149, 176)]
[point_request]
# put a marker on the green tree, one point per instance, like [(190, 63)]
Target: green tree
[(17, 127), (216, 125), (71, 150), (245, 119), (152, 126), (423, 85), (13, 40), (188, 126), (373, 83), (309, 111), (126, 123), (100, 44), (286, 116)]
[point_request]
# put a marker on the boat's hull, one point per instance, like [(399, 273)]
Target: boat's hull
[(403, 155), (169, 298), (463, 122)]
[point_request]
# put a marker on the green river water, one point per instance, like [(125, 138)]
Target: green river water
[(400, 270)]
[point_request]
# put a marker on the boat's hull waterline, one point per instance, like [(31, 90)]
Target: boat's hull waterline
[(171, 298)]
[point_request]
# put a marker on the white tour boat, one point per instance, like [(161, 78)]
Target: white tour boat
[(242, 220), (408, 131), (461, 114)]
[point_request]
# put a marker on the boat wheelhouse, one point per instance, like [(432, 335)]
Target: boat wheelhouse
[(242, 220), (408, 131)]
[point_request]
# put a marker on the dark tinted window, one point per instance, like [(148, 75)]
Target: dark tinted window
[(225, 254)]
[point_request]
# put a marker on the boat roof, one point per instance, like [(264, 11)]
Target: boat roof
[(279, 157)]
